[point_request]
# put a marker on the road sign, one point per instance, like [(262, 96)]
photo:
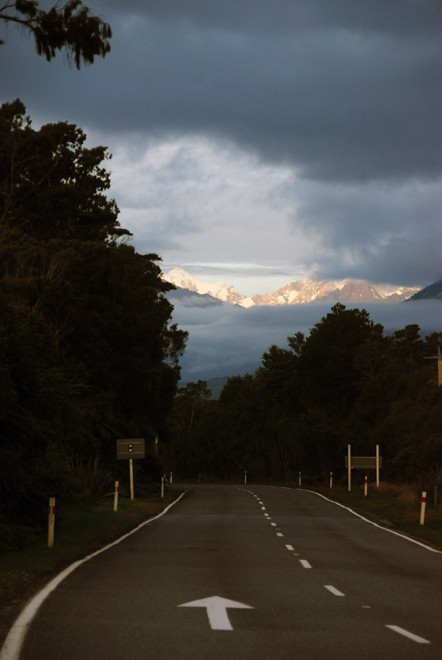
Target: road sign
[(366, 462), (217, 610), (130, 448)]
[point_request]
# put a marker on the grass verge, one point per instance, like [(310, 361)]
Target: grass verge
[(393, 506), (79, 531)]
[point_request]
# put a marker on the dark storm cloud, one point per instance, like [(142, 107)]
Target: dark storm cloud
[(344, 90), (346, 94)]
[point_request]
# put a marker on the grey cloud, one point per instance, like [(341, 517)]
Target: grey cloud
[(344, 93), (389, 233), (396, 16)]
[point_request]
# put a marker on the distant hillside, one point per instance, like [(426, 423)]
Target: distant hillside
[(430, 292)]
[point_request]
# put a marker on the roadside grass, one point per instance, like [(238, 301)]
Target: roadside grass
[(79, 531), (391, 505)]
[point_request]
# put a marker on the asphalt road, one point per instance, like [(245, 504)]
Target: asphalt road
[(304, 578)]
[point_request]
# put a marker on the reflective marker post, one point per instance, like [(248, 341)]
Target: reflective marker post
[(117, 483), (423, 504)]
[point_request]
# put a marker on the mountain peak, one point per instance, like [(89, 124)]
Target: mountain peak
[(229, 294), (299, 292)]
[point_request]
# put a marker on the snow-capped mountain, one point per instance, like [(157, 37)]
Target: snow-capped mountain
[(219, 290), (331, 291), (295, 293)]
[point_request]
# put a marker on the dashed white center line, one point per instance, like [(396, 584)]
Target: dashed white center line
[(263, 508), (279, 534), (274, 525), (333, 590), (406, 633), (289, 547), (304, 563)]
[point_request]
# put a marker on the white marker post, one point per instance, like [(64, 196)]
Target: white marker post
[(162, 487), (365, 485), (299, 480), (349, 467), (423, 504), (331, 479), (171, 477), (377, 466), (245, 476), (51, 522), (117, 483)]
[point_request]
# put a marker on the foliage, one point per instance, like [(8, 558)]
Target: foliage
[(70, 27), (87, 349), (344, 383)]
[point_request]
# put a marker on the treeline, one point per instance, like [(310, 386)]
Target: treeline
[(88, 353), (344, 383)]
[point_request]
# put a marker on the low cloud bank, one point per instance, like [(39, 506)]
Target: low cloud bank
[(229, 341)]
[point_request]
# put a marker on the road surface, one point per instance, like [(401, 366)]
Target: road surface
[(242, 572)]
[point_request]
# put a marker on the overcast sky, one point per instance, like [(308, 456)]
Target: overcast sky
[(262, 141)]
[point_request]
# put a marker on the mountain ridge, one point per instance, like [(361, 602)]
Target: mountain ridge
[(298, 292)]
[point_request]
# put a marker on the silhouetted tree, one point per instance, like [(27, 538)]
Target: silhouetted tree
[(70, 27)]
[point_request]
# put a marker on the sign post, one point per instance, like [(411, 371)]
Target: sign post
[(130, 448), (365, 462), (51, 522), (131, 477), (377, 466)]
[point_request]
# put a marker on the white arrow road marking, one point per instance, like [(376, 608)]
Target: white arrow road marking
[(216, 610)]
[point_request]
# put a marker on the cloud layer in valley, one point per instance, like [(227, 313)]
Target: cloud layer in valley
[(226, 340)]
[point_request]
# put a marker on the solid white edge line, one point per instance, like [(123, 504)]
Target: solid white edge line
[(406, 633), (305, 563), (14, 641), (333, 590), (391, 531)]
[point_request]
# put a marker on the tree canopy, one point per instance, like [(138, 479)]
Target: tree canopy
[(70, 27), (345, 383), (88, 350)]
